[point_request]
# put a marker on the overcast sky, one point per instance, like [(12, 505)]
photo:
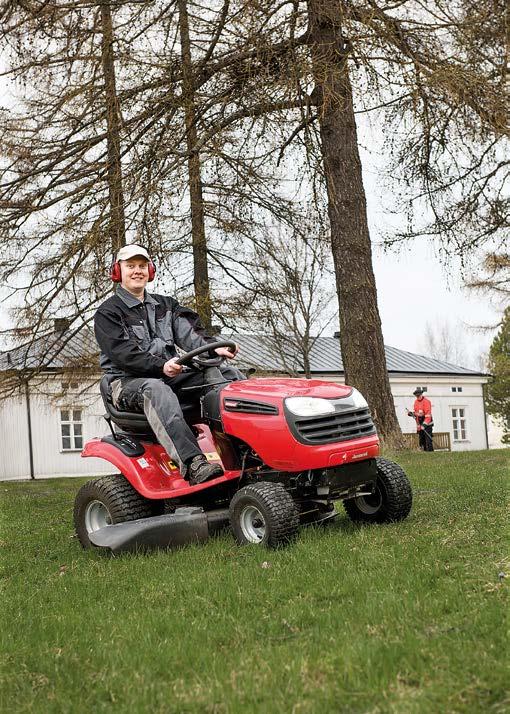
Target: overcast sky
[(404, 313)]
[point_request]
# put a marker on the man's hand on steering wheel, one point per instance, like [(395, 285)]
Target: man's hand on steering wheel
[(172, 368), (224, 349), (227, 352)]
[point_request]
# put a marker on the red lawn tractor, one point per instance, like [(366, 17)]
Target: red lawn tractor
[(289, 448)]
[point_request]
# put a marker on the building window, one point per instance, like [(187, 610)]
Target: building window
[(459, 424), (71, 429), (456, 389)]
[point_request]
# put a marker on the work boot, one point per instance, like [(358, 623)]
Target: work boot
[(200, 470)]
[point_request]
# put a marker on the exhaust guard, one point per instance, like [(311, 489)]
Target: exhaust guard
[(186, 525)]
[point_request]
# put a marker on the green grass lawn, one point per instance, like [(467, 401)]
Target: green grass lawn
[(408, 617)]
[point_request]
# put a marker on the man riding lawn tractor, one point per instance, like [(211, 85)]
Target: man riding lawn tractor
[(137, 334), (198, 446)]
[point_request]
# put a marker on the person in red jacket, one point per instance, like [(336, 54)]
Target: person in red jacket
[(422, 412)]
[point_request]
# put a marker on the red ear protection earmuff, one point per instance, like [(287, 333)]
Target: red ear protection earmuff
[(116, 275)]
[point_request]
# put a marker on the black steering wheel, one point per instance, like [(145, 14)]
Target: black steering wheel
[(189, 358)]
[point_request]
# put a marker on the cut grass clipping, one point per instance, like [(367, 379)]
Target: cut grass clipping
[(409, 617)]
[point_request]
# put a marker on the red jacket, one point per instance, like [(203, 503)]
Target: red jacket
[(422, 408)]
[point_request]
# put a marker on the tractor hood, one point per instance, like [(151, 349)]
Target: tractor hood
[(280, 388), (326, 425)]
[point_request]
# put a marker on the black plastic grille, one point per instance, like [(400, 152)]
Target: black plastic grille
[(248, 406), (334, 427)]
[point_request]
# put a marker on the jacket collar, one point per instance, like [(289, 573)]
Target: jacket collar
[(131, 300)]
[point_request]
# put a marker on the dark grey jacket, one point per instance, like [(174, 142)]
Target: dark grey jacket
[(137, 338)]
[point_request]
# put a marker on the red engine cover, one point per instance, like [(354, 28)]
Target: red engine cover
[(269, 434)]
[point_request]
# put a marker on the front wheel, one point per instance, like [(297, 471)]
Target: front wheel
[(108, 500), (391, 500), (263, 513)]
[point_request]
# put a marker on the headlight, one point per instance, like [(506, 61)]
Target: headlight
[(358, 400), (309, 406)]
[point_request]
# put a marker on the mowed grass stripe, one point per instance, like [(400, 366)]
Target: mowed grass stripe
[(408, 617)]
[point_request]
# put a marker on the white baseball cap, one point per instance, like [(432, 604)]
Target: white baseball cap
[(129, 251)]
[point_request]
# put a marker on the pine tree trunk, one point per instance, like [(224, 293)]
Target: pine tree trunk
[(117, 224), (198, 238), (361, 337)]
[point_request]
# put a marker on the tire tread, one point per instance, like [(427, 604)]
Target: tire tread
[(122, 500), (280, 506), (398, 496)]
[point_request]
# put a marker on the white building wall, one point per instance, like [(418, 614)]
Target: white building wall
[(443, 400), (14, 448), (495, 431), (49, 460)]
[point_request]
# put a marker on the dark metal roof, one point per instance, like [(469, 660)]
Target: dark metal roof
[(58, 350), (64, 349), (325, 357)]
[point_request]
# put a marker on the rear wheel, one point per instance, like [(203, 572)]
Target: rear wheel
[(108, 500), (391, 500), (263, 513)]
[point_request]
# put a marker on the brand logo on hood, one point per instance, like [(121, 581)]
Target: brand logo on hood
[(362, 455)]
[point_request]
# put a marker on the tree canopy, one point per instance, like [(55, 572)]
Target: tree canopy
[(498, 389)]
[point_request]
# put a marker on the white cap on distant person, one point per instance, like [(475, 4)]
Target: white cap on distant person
[(129, 251)]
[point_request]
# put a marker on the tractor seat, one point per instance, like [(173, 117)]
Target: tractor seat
[(136, 422)]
